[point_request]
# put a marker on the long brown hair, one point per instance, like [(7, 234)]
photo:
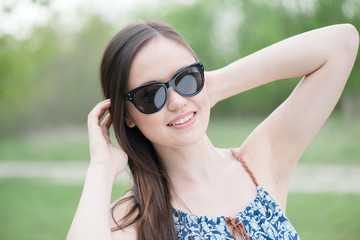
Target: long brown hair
[(151, 202)]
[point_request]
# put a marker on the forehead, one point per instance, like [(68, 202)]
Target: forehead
[(158, 60)]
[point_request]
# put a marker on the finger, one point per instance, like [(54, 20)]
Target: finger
[(97, 112), (100, 107), (106, 123)]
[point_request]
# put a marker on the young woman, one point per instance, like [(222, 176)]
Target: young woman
[(159, 100)]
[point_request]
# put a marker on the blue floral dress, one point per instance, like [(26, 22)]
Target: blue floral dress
[(262, 219)]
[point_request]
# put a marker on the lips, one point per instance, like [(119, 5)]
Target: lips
[(182, 119)]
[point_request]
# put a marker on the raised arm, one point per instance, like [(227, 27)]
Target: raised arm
[(325, 58), (92, 219)]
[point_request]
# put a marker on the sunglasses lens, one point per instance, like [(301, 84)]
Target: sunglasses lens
[(150, 98), (189, 82)]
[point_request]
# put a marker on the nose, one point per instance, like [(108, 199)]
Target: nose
[(175, 101)]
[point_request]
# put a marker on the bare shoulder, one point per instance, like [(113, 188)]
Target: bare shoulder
[(118, 210)]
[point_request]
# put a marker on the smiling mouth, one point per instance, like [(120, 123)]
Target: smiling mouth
[(182, 120)]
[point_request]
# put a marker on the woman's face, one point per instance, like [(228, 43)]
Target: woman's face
[(158, 61)]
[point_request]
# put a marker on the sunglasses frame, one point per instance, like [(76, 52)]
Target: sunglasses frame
[(171, 83)]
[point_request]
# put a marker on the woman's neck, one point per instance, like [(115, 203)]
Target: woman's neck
[(193, 164)]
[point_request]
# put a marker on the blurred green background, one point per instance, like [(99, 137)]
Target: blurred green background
[(49, 82)]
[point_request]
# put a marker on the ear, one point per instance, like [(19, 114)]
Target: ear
[(129, 121)]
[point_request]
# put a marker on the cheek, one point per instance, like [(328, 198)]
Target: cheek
[(203, 98), (148, 124), (130, 114), (204, 104)]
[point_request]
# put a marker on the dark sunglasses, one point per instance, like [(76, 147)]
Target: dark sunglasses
[(151, 97)]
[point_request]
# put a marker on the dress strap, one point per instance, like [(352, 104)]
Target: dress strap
[(243, 163)]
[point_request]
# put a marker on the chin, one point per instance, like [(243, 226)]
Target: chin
[(190, 138)]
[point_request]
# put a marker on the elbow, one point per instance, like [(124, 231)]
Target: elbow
[(350, 39)]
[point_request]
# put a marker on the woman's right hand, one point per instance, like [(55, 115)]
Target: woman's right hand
[(102, 151)]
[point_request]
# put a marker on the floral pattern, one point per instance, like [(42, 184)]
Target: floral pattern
[(262, 219)]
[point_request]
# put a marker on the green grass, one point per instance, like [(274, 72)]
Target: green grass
[(22, 148), (35, 210), (43, 210), (325, 216), (337, 142)]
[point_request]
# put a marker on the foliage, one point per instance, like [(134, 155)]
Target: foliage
[(20, 64), (224, 31), (51, 78)]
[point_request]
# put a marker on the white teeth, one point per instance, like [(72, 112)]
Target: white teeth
[(183, 120)]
